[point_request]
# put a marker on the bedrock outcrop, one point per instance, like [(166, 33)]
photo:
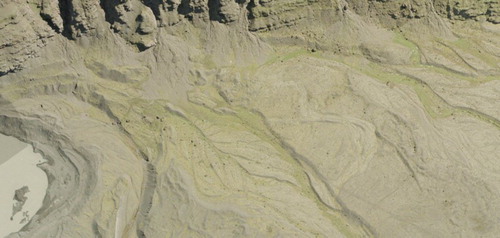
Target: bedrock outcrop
[(257, 118)]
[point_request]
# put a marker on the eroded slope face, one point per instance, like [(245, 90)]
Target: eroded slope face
[(257, 118)]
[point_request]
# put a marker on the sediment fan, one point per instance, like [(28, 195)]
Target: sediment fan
[(276, 118)]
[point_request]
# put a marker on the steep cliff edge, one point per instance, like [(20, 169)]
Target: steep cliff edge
[(260, 118)]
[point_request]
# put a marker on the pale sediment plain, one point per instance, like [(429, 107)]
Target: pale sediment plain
[(246, 118), (22, 184)]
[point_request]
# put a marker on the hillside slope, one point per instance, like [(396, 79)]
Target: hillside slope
[(257, 118)]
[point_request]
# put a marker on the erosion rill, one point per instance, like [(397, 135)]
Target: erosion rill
[(246, 118)]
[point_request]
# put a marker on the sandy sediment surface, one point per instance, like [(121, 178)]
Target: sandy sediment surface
[(22, 187), (317, 118)]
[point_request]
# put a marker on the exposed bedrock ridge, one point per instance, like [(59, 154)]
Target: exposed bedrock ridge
[(138, 22)]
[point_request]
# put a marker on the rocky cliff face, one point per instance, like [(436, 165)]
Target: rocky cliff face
[(258, 118), (138, 22)]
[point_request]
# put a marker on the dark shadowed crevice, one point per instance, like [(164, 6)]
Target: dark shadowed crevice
[(250, 7), (185, 9), (47, 18), (141, 47), (110, 13), (71, 27), (105, 7), (154, 5), (214, 10), (65, 11), (448, 11), (251, 15), (3, 73), (462, 13)]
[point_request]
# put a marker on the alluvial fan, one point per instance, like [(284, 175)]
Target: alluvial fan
[(257, 118)]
